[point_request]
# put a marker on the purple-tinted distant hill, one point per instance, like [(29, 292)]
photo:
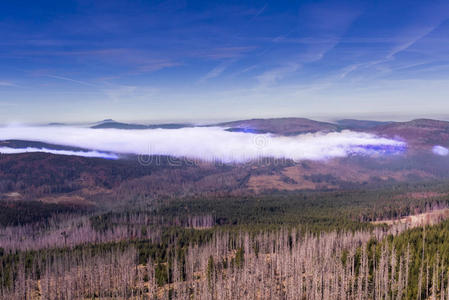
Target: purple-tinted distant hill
[(281, 126), (360, 124), (118, 125), (418, 133)]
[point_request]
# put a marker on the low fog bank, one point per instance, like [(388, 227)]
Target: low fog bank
[(203, 143), (8, 150)]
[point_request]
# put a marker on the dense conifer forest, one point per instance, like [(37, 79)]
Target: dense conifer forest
[(78, 228), (282, 245)]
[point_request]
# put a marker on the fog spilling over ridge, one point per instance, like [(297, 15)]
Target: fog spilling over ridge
[(9, 150), (206, 143)]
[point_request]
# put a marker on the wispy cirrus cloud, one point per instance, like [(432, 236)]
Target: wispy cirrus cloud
[(402, 41), (274, 75), (216, 71), (259, 12), (126, 93), (323, 24), (228, 52), (136, 61), (119, 92), (72, 80), (7, 84), (152, 66)]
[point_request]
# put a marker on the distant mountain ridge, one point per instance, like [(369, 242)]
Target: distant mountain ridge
[(419, 132), (19, 144), (111, 124), (282, 126), (360, 124)]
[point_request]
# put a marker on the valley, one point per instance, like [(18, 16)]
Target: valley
[(260, 229)]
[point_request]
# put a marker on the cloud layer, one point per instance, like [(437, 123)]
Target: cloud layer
[(8, 150), (209, 143), (440, 150)]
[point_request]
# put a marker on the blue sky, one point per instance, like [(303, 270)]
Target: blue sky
[(152, 61)]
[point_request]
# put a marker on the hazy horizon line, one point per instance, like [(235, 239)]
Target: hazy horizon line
[(206, 121)]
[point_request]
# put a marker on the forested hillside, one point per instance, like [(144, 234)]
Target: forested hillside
[(76, 228), (269, 264)]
